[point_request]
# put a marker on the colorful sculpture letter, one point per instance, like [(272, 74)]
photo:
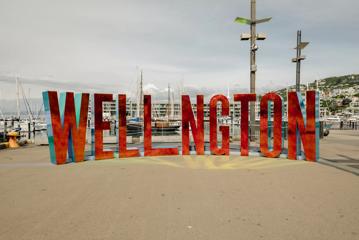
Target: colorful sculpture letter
[(100, 125), (197, 130), (277, 128), (66, 125), (122, 131), (149, 151), (303, 124), (224, 150), (244, 99)]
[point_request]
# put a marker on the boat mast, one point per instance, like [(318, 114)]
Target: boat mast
[(130, 109), (17, 99), (27, 104), (168, 101), (137, 95), (141, 94), (172, 105), (180, 96), (1, 113)]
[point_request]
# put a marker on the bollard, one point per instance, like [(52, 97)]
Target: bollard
[(5, 131), (29, 130), (12, 139), (270, 131)]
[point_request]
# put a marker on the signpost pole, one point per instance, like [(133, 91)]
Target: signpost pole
[(252, 36), (253, 68)]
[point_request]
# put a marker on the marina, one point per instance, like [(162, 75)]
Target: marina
[(179, 120), (166, 115)]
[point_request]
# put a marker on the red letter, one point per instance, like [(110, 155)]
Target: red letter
[(66, 131), (122, 133), (187, 119), (149, 151), (277, 128), (244, 99), (307, 130), (213, 125), (100, 125)]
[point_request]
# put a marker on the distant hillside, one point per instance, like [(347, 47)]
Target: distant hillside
[(338, 82), (327, 84)]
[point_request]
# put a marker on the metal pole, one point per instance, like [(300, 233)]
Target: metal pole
[(252, 36), (232, 121), (141, 95), (17, 99), (297, 81), (253, 67), (168, 102), (299, 40), (5, 130)]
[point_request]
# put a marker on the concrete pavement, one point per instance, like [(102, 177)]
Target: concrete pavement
[(341, 150), (174, 198)]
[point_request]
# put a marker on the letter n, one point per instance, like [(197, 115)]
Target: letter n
[(188, 120), (66, 125), (303, 124)]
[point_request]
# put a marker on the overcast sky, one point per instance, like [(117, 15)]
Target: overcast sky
[(97, 45)]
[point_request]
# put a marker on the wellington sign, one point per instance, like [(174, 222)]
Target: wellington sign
[(67, 119)]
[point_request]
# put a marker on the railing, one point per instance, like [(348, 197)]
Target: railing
[(343, 125)]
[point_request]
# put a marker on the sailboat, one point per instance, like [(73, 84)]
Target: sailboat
[(31, 122), (166, 125), (134, 125)]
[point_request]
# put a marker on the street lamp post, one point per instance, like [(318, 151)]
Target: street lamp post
[(300, 45), (252, 36)]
